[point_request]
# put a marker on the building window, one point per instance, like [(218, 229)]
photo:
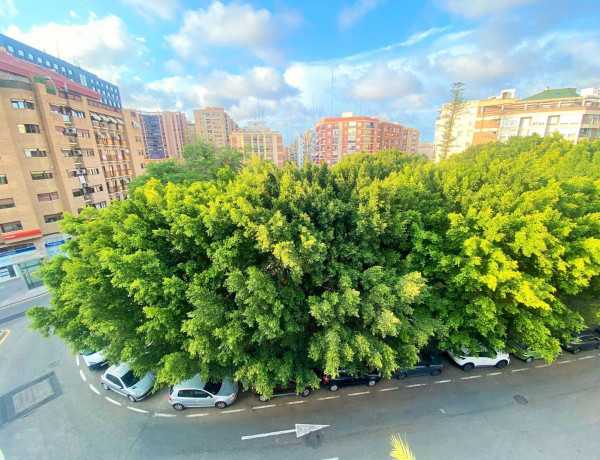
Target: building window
[(3, 179), (41, 175), (83, 80), (6, 203), (29, 129), (77, 192), (30, 56), (48, 63), (21, 53), (11, 227), (10, 49), (52, 196), (34, 153), (53, 217), (40, 61)]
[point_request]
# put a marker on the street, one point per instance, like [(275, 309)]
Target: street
[(524, 411)]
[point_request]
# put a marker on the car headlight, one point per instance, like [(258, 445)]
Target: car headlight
[(232, 395)]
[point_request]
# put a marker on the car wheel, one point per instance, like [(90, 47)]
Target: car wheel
[(371, 383), (105, 386), (436, 372), (468, 367), (262, 398), (221, 404), (401, 376), (502, 364), (333, 388), (529, 359), (576, 350), (178, 406), (306, 392), (131, 398)]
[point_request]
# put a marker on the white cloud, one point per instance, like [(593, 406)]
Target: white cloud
[(479, 8), (420, 36), (152, 9), (381, 82), (353, 13), (7, 9), (100, 45), (73, 14), (236, 25)]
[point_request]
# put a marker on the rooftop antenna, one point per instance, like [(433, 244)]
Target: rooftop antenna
[(57, 50), (313, 113), (331, 115), (360, 111)]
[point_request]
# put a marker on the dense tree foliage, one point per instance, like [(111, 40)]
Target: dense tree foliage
[(271, 273)]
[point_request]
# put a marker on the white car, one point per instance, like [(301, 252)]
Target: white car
[(120, 379), (486, 358), (93, 359)]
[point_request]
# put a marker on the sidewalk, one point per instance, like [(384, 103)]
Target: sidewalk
[(15, 290)]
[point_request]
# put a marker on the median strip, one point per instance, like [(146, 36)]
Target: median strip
[(471, 377), (116, 403), (94, 389), (83, 377), (135, 409)]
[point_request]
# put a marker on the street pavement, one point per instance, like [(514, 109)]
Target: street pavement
[(525, 411)]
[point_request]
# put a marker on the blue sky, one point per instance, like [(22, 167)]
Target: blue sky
[(269, 60)]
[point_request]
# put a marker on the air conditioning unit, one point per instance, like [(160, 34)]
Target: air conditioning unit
[(126, 151), (72, 131)]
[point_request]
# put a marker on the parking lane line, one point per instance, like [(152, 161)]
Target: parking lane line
[(360, 393), (585, 357), (389, 389), (264, 407), (77, 360), (416, 385), (94, 389), (327, 397), (442, 381), (519, 370), (493, 373), (296, 402), (541, 365), (196, 415), (116, 403), (471, 377), (160, 414), (231, 411), (564, 362), (83, 377), (135, 409)]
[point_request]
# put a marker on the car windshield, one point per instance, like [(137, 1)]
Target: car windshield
[(129, 379), (88, 352), (212, 387)]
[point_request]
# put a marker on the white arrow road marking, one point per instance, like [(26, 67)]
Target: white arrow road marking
[(471, 377), (585, 357), (389, 389), (494, 373), (264, 407), (361, 393), (94, 389), (300, 430), (135, 409), (160, 414), (117, 403), (416, 385), (77, 360), (442, 381), (327, 397), (82, 375), (197, 415)]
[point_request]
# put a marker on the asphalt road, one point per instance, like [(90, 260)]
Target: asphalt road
[(47, 411)]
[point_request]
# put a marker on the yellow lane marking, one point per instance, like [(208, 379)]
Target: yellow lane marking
[(5, 336)]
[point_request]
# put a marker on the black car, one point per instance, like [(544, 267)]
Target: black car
[(346, 379), (429, 364), (582, 341), (283, 390)]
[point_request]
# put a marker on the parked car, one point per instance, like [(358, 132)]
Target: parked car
[(93, 359), (584, 340), (429, 364), (199, 393), (523, 352), (346, 379), (120, 379), (485, 358), (283, 390)]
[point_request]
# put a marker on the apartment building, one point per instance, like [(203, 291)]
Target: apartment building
[(426, 148), (61, 149), (190, 131), (215, 125), (108, 93), (258, 139), (297, 150), (164, 134), (410, 141)]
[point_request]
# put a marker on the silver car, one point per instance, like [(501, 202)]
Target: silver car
[(93, 359), (198, 393), (120, 379)]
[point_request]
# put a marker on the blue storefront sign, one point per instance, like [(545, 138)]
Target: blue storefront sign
[(53, 248)]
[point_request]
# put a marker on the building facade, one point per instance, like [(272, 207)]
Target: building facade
[(164, 134), (61, 149), (215, 125), (257, 139), (426, 148), (108, 93)]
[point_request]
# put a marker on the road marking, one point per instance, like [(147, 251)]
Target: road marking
[(519, 370), (585, 357), (231, 411), (196, 415), (300, 430), (137, 410), (442, 381), (564, 362), (297, 402), (471, 377), (327, 397), (494, 373), (389, 389), (442, 411), (83, 377), (117, 403), (94, 389), (264, 407), (416, 385), (541, 365), (358, 394), (77, 360), (5, 336), (23, 301), (160, 414)]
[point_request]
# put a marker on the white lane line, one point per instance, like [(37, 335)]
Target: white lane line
[(416, 385), (94, 389), (297, 402), (442, 411), (564, 362), (541, 365), (135, 409), (77, 360), (231, 411), (117, 403), (264, 407), (196, 415), (83, 377), (160, 414), (264, 435), (585, 357), (327, 397), (442, 381), (471, 377), (358, 394), (494, 373), (389, 389), (519, 370)]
